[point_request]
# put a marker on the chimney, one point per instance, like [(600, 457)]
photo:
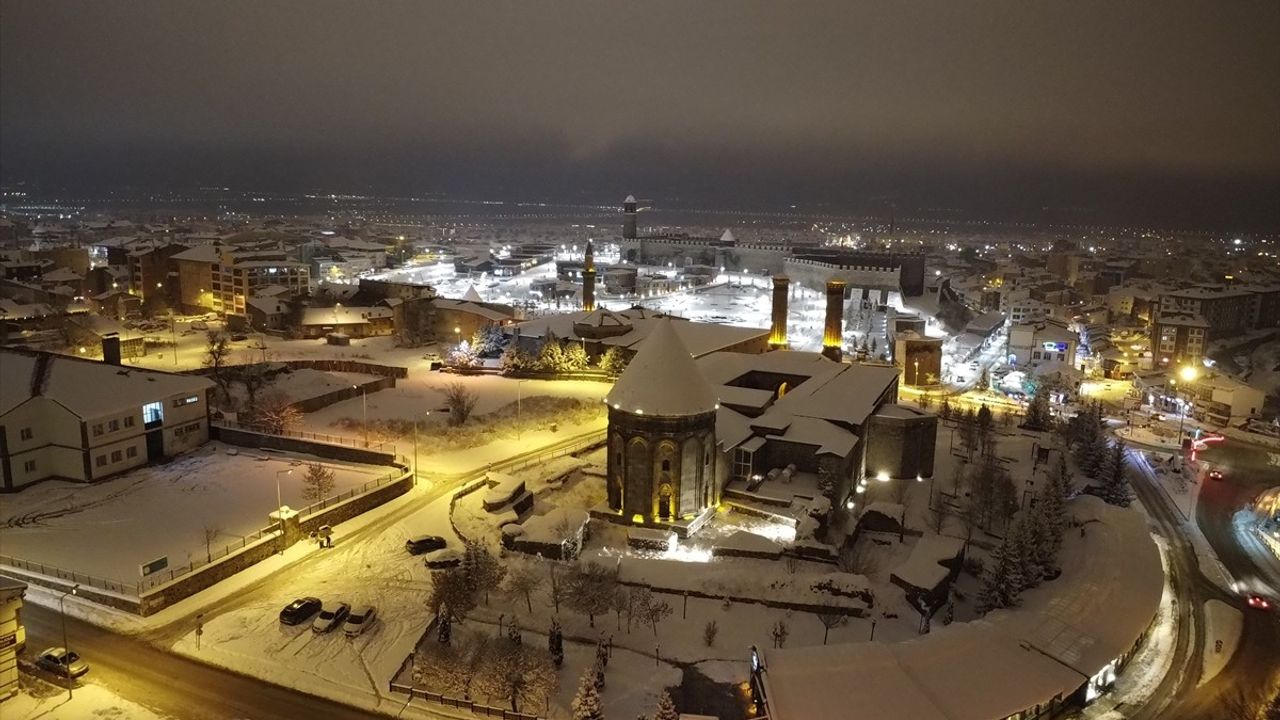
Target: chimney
[(589, 279), (833, 330), (629, 218), (111, 349), (778, 334)]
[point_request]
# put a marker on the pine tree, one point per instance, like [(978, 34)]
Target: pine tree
[(1115, 483), (446, 627), (666, 708), (555, 643), (586, 704), (1028, 538), (1002, 581)]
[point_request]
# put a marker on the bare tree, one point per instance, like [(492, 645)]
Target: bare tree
[(318, 483), (274, 414), (517, 673), (253, 378), (591, 589), (829, 619), (217, 355), (211, 533), (461, 402), (652, 610), (523, 579)]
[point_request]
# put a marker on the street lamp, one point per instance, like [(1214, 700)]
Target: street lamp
[(519, 425), (280, 505), (364, 408), (1188, 374), (66, 665)]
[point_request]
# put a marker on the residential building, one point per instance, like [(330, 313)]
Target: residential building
[(13, 636), (83, 420), (1042, 343), (1178, 338)]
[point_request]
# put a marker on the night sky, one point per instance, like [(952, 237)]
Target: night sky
[(1165, 111)]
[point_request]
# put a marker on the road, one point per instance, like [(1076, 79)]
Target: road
[(1254, 670), (173, 685)]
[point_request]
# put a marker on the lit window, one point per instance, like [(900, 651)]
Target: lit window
[(186, 401), (153, 413)]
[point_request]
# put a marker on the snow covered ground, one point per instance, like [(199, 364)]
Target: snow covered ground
[(108, 529), (41, 701), (1221, 636)]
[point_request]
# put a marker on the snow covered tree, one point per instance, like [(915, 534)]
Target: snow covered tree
[(968, 428), (1028, 542), (613, 362), (590, 589), (484, 572), (1038, 416), (516, 359), (651, 609), (586, 704), (513, 632), (666, 708), (445, 630), (984, 419), (551, 355), (217, 356), (555, 643), (517, 673), (489, 341), (779, 633), (1002, 580), (522, 580), (317, 484), (273, 414), (462, 355), (451, 593), (1115, 481), (575, 357)]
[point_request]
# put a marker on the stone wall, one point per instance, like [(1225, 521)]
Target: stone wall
[(901, 445), (249, 438)]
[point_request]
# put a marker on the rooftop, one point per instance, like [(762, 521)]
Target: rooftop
[(662, 379), (88, 388)]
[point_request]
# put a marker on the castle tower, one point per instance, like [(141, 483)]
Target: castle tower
[(629, 218), (833, 330), (778, 333), (662, 435), (589, 279)]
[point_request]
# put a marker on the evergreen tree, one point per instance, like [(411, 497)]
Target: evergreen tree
[(1038, 416), (575, 357), (446, 627), (1115, 482), (984, 418), (613, 362), (551, 355), (516, 359), (1028, 540), (586, 704), (1002, 580), (555, 643), (666, 708)]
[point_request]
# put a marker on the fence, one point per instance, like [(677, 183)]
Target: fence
[(211, 556), (474, 707), (344, 441), (114, 586), (316, 507)]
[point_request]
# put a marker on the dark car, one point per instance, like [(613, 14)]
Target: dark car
[(300, 610), (1259, 603), (423, 543), (62, 662), (1215, 475)]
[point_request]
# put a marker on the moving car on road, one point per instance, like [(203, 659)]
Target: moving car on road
[(1215, 474), (61, 661), (359, 620), (330, 617), (1259, 602), (300, 610)]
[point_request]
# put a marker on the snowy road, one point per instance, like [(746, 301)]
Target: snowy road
[(172, 685)]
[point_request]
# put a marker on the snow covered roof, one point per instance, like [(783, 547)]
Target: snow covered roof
[(923, 567), (662, 379), (630, 199), (206, 253), (344, 315), (88, 388), (471, 295), (700, 338), (1063, 633), (728, 238)]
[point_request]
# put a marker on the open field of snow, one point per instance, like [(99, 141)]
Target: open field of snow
[(110, 528), (38, 700)]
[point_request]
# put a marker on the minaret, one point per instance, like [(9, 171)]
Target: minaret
[(833, 331), (589, 279), (629, 218), (778, 334)]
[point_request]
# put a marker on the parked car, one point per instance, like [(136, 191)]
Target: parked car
[(359, 620), (300, 610), (61, 661), (331, 616), (423, 543), (238, 337), (199, 325), (444, 558)]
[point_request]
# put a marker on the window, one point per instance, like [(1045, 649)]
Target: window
[(114, 425), (97, 429), (26, 434), (131, 452), (742, 463), (101, 461), (186, 400), (153, 413), (116, 456), (666, 465), (128, 421), (29, 466)]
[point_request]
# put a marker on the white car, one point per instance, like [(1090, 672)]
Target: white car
[(359, 620), (331, 616)]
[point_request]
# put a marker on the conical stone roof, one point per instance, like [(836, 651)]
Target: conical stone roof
[(662, 379)]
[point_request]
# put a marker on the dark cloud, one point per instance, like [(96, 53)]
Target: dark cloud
[(1003, 104)]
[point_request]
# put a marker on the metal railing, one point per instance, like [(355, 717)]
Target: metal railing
[(387, 479), (469, 705), (374, 445), (52, 571), (211, 556)]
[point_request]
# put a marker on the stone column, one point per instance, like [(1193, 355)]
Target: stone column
[(778, 334), (833, 331)]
